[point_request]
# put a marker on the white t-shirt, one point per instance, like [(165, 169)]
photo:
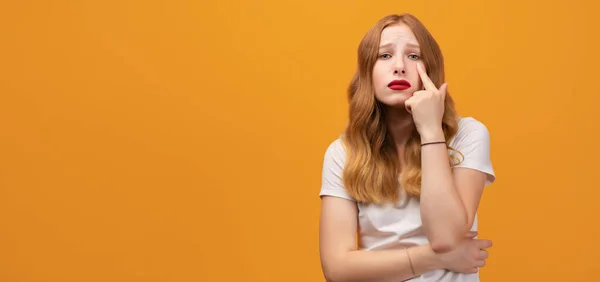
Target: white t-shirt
[(399, 226)]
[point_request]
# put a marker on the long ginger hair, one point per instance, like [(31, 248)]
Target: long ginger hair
[(372, 171)]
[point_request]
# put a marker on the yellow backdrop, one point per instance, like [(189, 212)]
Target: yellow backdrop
[(183, 140)]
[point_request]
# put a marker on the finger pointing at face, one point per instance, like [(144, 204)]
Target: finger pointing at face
[(427, 83)]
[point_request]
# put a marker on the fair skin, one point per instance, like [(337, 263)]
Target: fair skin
[(449, 199), (343, 262)]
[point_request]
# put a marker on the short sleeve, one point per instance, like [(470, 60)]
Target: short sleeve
[(473, 141), (333, 166)]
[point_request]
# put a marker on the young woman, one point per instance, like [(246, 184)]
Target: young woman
[(408, 173)]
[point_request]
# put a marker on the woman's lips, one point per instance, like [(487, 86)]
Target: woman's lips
[(399, 85)]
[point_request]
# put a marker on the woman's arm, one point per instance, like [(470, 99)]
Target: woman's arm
[(341, 261), (449, 200)]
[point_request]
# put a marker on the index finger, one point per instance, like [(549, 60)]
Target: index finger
[(424, 78)]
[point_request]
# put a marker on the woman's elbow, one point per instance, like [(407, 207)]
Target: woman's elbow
[(443, 245), (332, 275), (446, 242), (331, 270)]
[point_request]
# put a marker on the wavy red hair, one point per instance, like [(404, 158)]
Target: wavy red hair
[(372, 171)]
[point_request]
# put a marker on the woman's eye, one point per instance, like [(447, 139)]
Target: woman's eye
[(414, 56), (385, 56)]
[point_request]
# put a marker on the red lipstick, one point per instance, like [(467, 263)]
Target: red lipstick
[(399, 85)]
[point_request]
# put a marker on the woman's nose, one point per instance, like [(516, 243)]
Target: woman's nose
[(399, 67), (399, 70)]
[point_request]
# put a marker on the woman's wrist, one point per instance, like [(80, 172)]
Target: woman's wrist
[(424, 259), (432, 135)]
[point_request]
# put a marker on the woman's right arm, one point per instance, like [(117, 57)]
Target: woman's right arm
[(341, 261)]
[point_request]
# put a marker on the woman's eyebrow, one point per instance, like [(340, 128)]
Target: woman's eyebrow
[(412, 45), (386, 45)]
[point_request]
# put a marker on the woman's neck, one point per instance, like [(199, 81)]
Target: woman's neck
[(400, 126)]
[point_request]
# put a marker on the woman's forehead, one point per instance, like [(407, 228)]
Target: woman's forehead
[(400, 33)]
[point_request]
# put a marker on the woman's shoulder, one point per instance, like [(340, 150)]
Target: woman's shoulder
[(336, 149), (468, 125)]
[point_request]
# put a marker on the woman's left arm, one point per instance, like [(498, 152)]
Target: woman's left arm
[(449, 197)]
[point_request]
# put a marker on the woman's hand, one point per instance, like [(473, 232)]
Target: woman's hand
[(468, 256), (427, 107)]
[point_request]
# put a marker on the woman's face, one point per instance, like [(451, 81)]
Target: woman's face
[(395, 75)]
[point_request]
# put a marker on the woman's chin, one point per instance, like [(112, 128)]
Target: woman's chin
[(394, 103)]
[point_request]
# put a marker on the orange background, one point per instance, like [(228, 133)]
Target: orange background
[(183, 140)]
